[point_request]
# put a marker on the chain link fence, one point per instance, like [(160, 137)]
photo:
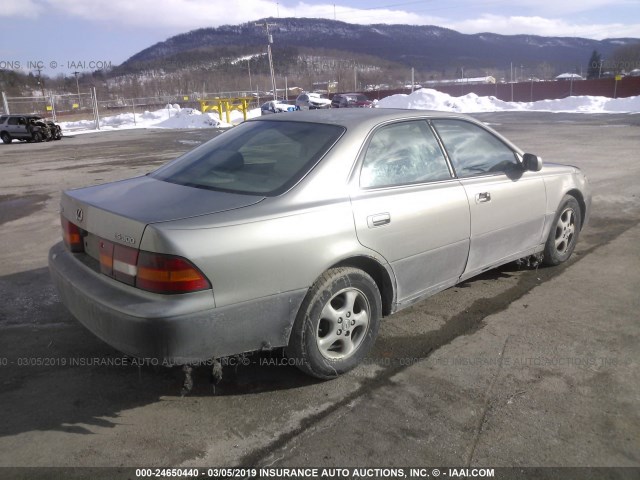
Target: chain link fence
[(57, 107), (85, 111)]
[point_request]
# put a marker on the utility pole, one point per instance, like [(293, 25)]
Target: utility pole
[(40, 82), (249, 67), (269, 42), (600, 70), (77, 86)]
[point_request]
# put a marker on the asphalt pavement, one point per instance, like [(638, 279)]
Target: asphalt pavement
[(518, 367)]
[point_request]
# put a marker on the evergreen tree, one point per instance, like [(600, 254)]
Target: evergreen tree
[(593, 70)]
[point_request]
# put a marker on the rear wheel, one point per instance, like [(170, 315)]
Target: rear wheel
[(564, 232), (6, 138), (337, 323)]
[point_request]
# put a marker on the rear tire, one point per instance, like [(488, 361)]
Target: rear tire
[(6, 138), (564, 232), (337, 323)]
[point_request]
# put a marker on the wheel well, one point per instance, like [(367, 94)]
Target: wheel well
[(580, 199), (379, 274)]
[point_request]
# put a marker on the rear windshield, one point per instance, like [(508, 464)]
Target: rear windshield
[(258, 157)]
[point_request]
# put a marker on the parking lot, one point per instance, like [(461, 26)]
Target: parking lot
[(517, 367)]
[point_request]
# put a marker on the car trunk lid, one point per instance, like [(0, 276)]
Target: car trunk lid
[(120, 211)]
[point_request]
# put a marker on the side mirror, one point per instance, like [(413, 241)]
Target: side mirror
[(532, 162)]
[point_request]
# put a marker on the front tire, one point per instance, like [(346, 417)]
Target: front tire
[(564, 232), (36, 137), (337, 323)]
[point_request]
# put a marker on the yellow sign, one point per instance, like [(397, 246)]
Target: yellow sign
[(75, 105), (49, 108), (185, 98), (618, 78)]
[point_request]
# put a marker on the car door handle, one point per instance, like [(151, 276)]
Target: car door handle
[(483, 197), (378, 220)]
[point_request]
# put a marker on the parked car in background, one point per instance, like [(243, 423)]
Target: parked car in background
[(351, 100), (312, 101), (30, 128), (275, 106), (301, 230)]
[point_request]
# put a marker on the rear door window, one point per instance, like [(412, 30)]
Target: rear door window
[(401, 154)]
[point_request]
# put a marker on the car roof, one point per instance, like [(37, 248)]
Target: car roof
[(359, 121), (359, 118)]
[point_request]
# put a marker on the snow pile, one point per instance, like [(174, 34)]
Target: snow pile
[(587, 104), (188, 118), (175, 117), (172, 116), (428, 99)]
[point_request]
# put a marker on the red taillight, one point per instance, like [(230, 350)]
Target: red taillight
[(168, 274), (154, 272), (72, 236)]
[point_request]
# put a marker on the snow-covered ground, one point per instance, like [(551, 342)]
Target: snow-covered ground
[(429, 99), (172, 116), (175, 117)]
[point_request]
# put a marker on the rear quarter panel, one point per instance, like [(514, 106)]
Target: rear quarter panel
[(265, 256)]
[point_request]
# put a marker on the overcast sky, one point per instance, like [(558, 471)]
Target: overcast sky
[(67, 35)]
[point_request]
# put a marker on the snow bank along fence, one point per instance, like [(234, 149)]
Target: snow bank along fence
[(532, 91), (222, 103), (137, 106)]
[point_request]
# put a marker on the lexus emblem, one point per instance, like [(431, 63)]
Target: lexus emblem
[(79, 215)]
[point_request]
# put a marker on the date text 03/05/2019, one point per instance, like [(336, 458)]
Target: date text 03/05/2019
[(303, 473)]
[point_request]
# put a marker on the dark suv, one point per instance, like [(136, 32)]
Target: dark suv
[(30, 128), (351, 100)]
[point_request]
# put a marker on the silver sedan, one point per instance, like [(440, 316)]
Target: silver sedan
[(301, 230)]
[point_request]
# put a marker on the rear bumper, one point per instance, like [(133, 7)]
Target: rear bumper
[(169, 328)]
